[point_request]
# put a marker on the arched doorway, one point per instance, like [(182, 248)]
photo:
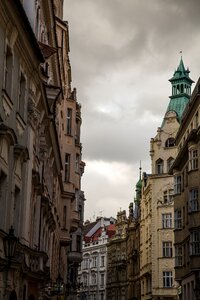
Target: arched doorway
[(13, 296)]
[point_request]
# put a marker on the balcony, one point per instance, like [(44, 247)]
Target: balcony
[(64, 237), (74, 256)]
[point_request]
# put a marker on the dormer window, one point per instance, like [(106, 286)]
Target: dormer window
[(170, 142)]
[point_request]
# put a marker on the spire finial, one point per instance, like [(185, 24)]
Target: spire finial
[(140, 168), (181, 52)]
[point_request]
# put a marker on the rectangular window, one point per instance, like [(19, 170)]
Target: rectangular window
[(193, 200), (67, 167), (69, 121), (168, 196), (178, 256), (102, 261), (193, 159), (177, 184), (167, 249), (94, 261), (64, 216), (102, 279), (22, 95), (8, 71), (77, 162), (94, 279), (167, 279), (177, 219), (167, 220), (77, 133), (195, 243), (85, 263), (85, 280)]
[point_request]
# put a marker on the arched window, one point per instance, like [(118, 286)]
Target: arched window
[(170, 142), (159, 166), (169, 163)]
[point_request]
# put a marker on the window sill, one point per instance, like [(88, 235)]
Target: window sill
[(192, 170)]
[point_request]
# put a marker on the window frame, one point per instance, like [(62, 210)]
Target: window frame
[(67, 167), (193, 200), (167, 249), (69, 121), (159, 166), (168, 196), (177, 184), (193, 159), (195, 242), (178, 256), (167, 279), (169, 143), (178, 219), (167, 220)]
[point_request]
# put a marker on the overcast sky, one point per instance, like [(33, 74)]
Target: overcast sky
[(122, 54)]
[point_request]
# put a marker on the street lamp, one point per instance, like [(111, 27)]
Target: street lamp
[(9, 243)]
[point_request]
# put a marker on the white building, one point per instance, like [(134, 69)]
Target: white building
[(93, 270)]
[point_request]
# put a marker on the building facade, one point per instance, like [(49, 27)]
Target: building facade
[(133, 250), (157, 253), (186, 201), (93, 270), (117, 285), (40, 155)]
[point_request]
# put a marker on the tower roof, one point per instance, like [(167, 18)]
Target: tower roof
[(181, 91), (181, 73)]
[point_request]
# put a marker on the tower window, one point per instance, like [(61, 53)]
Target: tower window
[(170, 142), (159, 166)]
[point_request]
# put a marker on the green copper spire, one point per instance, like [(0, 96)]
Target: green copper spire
[(181, 90)]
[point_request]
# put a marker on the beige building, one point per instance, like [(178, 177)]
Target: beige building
[(157, 255), (40, 155), (186, 202)]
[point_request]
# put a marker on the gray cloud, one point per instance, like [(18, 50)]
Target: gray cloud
[(122, 55)]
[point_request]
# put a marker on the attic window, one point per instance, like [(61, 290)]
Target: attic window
[(170, 142)]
